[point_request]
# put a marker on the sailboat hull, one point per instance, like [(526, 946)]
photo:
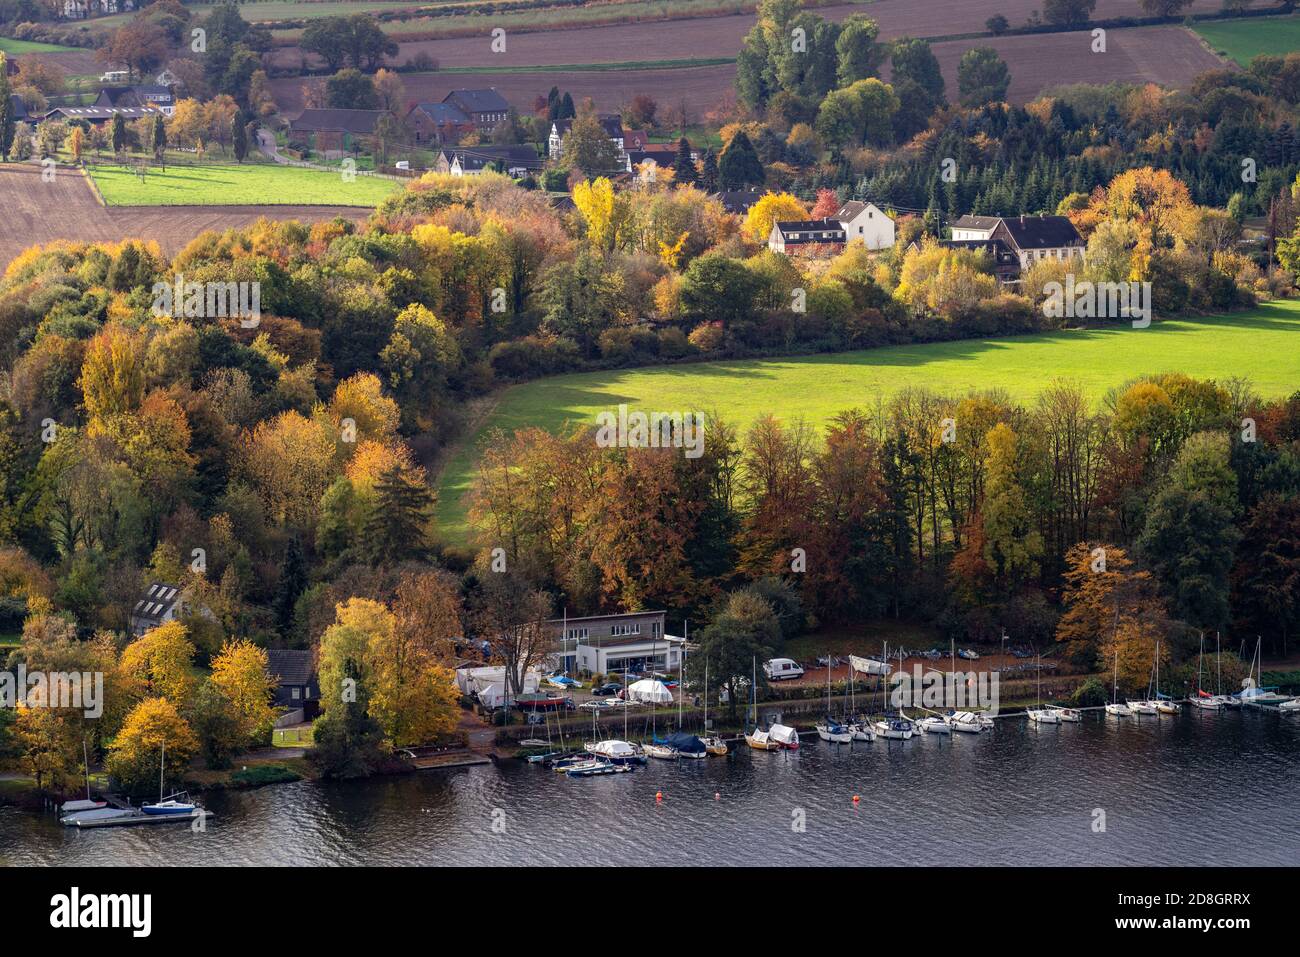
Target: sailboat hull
[(1119, 710), (1142, 707)]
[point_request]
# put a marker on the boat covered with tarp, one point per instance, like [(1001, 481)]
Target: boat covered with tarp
[(649, 691), (686, 744), (784, 735)]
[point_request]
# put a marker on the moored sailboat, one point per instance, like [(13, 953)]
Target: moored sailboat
[(1115, 708)]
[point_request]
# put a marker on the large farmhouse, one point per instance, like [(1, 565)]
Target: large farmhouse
[(333, 131), (1031, 238)]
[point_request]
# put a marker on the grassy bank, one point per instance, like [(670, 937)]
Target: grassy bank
[(1243, 40), (1262, 345)]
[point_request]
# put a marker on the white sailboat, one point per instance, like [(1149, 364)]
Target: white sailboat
[(1041, 715), (1202, 699), (712, 743), (966, 721), (1115, 708), (756, 739), (859, 729), (831, 730), (893, 729)]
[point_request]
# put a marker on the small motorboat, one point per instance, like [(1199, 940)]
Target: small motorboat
[(1043, 716), (1119, 710), (1165, 706), (834, 732), (715, 746), (785, 736), (662, 752), (1072, 715), (1290, 707), (1142, 707), (68, 807)]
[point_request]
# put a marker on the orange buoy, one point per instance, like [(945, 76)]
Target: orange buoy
[(659, 795), (856, 799)]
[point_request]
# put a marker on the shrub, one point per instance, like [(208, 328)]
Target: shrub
[(707, 336)]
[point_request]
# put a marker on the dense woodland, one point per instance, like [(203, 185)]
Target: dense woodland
[(280, 472)]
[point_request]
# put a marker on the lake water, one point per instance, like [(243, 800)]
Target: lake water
[(1188, 789)]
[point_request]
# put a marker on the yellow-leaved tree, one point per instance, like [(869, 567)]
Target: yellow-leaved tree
[(772, 208), (601, 211), (136, 754), (240, 671), (160, 660)]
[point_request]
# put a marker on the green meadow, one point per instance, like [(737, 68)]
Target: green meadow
[(237, 185), (1243, 40), (1262, 345), (10, 45)]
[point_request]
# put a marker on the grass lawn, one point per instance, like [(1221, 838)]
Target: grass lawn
[(10, 45), (1262, 346), (234, 185), (1243, 40), (11, 640), (293, 737)]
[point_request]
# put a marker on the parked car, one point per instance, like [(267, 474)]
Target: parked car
[(778, 669), (607, 689)]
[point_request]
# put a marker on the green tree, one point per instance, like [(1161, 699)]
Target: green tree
[(1068, 13), (746, 632), (739, 165), (684, 173), (857, 53), (350, 89), (239, 135), (982, 77), (718, 288), (118, 136), (6, 111), (860, 113), (396, 526), (912, 59), (1190, 539)]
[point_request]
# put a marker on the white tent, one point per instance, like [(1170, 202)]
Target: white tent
[(869, 666), (784, 735), (473, 680), (649, 691)]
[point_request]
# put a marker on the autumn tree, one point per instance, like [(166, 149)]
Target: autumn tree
[(1104, 591), (161, 661), (771, 208), (136, 754), (240, 673)]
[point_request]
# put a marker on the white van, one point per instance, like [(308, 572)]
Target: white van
[(777, 669), (115, 76)]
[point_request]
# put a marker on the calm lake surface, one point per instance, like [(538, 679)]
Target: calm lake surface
[(1187, 789)]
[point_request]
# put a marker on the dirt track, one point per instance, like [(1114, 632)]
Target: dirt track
[(38, 212)]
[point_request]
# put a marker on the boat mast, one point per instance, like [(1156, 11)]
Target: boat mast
[(162, 765), (85, 757), (1218, 661)]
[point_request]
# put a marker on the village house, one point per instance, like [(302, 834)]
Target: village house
[(334, 132), (806, 236), (438, 123), (484, 108), (84, 9), (296, 684), (1031, 238), (610, 122), (518, 160), (866, 223), (147, 95), (602, 643)]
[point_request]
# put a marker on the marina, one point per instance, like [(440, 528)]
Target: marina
[(1172, 789)]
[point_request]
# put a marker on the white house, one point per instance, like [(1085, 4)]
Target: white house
[(866, 223), (1031, 238), (638, 653)]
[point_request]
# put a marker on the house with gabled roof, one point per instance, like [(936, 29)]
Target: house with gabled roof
[(334, 131), (1031, 238), (806, 236), (145, 94), (296, 683), (516, 160), (160, 604), (438, 123), (485, 108), (866, 223), (612, 124)]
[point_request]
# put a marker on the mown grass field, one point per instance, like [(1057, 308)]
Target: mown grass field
[(10, 45), (1243, 40), (236, 185), (1262, 346)]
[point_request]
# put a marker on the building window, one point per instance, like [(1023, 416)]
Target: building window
[(578, 633), (619, 630), (295, 693), (654, 629)]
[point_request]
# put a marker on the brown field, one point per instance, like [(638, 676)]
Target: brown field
[(1170, 56), (702, 88), (38, 212), (71, 62), (720, 36)]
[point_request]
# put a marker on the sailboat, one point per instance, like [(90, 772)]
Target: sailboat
[(683, 743), (1146, 705), (1115, 708), (169, 805), (712, 743), (1164, 704), (87, 805), (831, 730), (756, 739), (614, 750), (859, 729), (891, 727), (1254, 694), (1041, 715), (1203, 699)]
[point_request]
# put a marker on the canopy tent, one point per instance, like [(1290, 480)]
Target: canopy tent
[(649, 691), (474, 680), (685, 743), (869, 666)]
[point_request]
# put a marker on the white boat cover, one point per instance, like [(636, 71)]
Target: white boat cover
[(649, 691), (475, 680), (869, 666), (613, 748), (783, 734), (760, 736)]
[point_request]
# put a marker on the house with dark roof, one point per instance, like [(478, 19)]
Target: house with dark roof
[(296, 684), (612, 123), (1031, 238), (160, 604), (98, 115), (438, 123), (485, 108), (738, 201), (334, 131), (146, 94), (516, 160), (806, 236)]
